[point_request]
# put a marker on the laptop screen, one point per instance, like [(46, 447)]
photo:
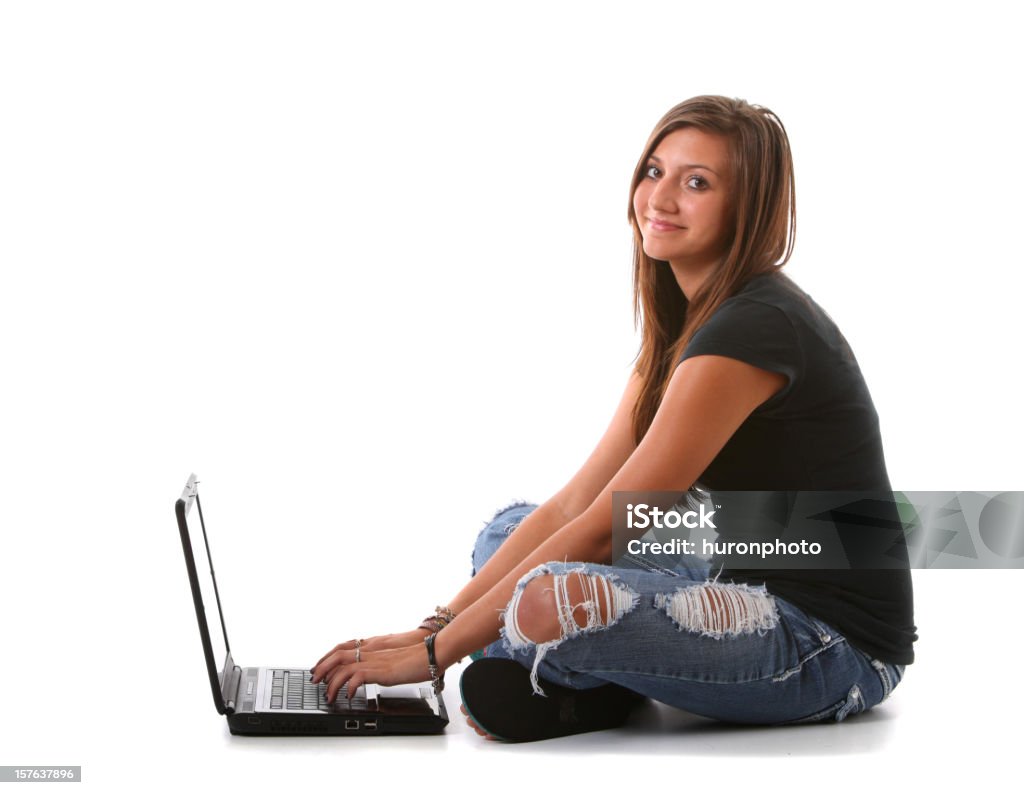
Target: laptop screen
[(198, 559)]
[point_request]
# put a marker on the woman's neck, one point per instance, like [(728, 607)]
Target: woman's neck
[(690, 278)]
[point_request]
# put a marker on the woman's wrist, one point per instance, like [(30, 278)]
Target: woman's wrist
[(446, 651), (434, 668), (441, 618)]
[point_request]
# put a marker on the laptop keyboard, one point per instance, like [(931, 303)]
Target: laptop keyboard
[(292, 690)]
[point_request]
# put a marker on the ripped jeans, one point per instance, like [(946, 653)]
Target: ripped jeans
[(731, 652)]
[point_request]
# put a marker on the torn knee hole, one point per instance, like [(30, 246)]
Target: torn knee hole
[(720, 609), (556, 606), (547, 608)]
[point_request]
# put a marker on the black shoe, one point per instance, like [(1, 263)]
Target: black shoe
[(499, 697)]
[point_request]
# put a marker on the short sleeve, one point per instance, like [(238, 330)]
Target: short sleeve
[(757, 333)]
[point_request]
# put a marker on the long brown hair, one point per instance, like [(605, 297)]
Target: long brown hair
[(764, 229)]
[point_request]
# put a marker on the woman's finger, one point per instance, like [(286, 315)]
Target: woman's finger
[(331, 661), (344, 674), (339, 679), (348, 644), (377, 642)]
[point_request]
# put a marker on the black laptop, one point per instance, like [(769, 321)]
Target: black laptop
[(282, 700)]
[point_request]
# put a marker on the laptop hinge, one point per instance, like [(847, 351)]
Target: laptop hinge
[(232, 679)]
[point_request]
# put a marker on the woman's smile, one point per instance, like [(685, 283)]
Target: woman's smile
[(657, 225)]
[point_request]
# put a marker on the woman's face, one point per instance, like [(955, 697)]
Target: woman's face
[(682, 202)]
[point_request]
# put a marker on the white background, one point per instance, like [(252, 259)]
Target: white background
[(365, 269)]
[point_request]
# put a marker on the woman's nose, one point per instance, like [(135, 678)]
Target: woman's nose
[(662, 197)]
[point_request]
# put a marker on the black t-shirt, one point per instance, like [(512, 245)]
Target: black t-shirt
[(819, 433)]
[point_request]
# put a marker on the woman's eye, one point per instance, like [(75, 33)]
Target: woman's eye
[(652, 172), (697, 182)]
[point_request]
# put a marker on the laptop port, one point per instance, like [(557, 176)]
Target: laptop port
[(370, 725), (351, 725)]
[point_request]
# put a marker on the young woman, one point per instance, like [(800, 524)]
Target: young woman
[(742, 383)]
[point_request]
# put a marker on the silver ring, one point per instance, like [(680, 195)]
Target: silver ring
[(359, 652)]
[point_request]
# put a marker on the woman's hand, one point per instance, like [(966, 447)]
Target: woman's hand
[(384, 667), (380, 643)]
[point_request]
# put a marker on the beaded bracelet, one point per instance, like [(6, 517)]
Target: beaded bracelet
[(442, 617)]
